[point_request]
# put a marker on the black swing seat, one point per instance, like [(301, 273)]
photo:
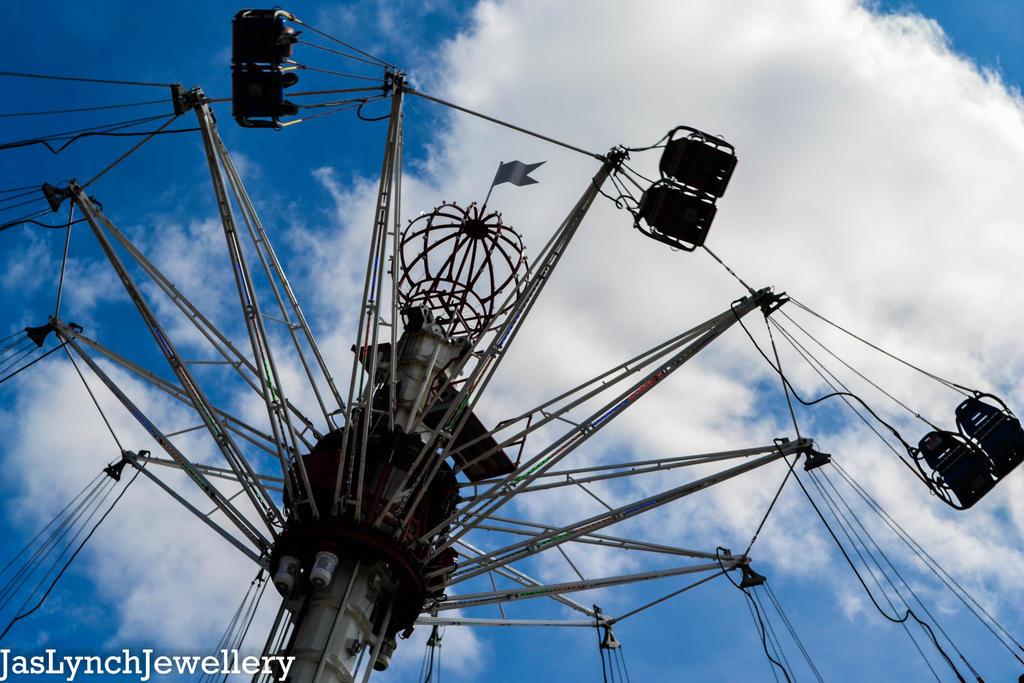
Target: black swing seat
[(959, 466), (994, 429)]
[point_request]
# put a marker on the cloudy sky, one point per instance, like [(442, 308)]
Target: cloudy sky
[(881, 150)]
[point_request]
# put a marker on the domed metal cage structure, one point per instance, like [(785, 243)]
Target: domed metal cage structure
[(463, 264)]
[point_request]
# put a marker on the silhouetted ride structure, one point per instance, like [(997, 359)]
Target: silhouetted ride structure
[(367, 528)]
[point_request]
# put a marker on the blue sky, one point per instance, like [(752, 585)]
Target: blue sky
[(840, 155)]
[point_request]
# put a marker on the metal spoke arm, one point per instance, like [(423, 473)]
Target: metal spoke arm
[(599, 473), (270, 383), (203, 407), (275, 271), (468, 621), (596, 539), (508, 595), (260, 559), (246, 431), (551, 538), (368, 331), (218, 499), (220, 343), (558, 407), (517, 576), (502, 492), (426, 465), (271, 483)]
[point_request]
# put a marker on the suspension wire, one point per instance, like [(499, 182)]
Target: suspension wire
[(22, 352), (770, 592), (16, 343), (31, 363), (69, 111), (71, 502), (352, 105), (622, 656), (853, 537), (760, 620), (600, 650), (305, 67), (18, 189), (72, 135), (95, 402), (12, 335), (827, 396), (729, 270), (785, 383), (485, 117), (125, 155), (19, 195), (29, 219), (339, 103), (96, 504), (24, 203), (836, 385), (771, 505), (16, 582), (952, 584), (787, 387), (292, 95), (73, 556), (637, 173), (236, 631), (252, 615), (859, 374), (909, 613), (377, 60), (85, 508), (773, 637), (666, 597), (895, 570), (64, 260), (618, 662), (952, 385), (433, 649), (16, 351), (758, 626), (341, 54), (86, 80)]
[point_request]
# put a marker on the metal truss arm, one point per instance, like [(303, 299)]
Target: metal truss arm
[(549, 539), (368, 332), (221, 344), (504, 491), (515, 575), (270, 382), (259, 497), (272, 483), (508, 595), (273, 268), (556, 408), (246, 431), (218, 499), (468, 621), (600, 473), (426, 465), (597, 539), (261, 560)]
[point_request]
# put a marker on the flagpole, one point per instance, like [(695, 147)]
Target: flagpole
[(484, 205)]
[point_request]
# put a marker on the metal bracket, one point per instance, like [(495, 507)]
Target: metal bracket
[(55, 195), (774, 302), (814, 459)]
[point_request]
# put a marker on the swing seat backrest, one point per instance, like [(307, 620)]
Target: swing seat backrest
[(997, 432), (961, 467)]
